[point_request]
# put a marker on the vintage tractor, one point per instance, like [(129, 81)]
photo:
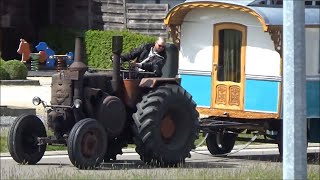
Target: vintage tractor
[(96, 114)]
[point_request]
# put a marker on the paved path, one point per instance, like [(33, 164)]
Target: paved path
[(201, 160), (21, 96)]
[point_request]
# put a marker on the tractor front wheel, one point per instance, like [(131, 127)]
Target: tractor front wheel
[(87, 144), (23, 139)]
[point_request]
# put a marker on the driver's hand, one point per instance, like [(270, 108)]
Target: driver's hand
[(135, 64)]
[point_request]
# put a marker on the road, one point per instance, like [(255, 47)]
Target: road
[(201, 159)]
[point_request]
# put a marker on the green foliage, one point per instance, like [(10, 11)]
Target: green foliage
[(99, 45), (3, 144), (2, 61), (4, 75), (16, 69)]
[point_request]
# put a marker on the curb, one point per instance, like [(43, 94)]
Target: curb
[(44, 73), (19, 83), (15, 111)]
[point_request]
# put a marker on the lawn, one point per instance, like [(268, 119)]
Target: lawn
[(263, 170)]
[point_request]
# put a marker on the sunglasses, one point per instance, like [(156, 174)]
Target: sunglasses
[(161, 46)]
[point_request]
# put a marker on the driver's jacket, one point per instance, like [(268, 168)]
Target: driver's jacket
[(150, 61)]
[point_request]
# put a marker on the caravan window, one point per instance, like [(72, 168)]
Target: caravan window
[(229, 62)]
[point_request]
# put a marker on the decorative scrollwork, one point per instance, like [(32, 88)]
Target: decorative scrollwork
[(175, 33), (276, 36), (234, 95), (221, 94)]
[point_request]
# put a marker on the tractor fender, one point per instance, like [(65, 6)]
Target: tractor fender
[(154, 82)]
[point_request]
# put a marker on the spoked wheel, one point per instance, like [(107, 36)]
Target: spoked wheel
[(167, 123), (87, 144), (219, 143), (23, 139)]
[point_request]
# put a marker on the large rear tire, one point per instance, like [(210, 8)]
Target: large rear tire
[(167, 123), (23, 139), (219, 143), (87, 144)]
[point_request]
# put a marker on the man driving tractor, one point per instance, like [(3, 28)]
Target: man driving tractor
[(149, 57)]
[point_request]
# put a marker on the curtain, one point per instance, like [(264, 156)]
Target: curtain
[(229, 63)]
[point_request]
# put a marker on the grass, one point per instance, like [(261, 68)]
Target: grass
[(265, 170), (3, 144), (244, 135)]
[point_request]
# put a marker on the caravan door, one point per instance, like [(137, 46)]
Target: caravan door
[(229, 43)]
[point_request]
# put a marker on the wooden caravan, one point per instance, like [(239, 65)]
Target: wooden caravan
[(230, 60)]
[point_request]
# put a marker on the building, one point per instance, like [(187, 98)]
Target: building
[(26, 18)]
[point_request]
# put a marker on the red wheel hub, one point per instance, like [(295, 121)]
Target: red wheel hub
[(89, 144), (167, 127)]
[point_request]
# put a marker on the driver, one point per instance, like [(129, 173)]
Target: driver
[(149, 57)]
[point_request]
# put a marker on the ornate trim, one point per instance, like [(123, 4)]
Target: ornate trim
[(177, 14), (175, 32), (234, 95), (276, 36), (236, 113)]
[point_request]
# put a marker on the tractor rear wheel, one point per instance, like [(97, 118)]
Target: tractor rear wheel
[(23, 139), (87, 144), (220, 143), (167, 123)]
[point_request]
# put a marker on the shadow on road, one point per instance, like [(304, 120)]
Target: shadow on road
[(137, 164), (312, 158), (52, 164)]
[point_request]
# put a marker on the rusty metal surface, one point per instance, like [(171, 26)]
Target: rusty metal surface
[(70, 75), (89, 143), (167, 127), (78, 64), (98, 80), (153, 82), (61, 91), (131, 91), (112, 115), (108, 110)]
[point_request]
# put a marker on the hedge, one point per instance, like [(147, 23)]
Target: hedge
[(15, 69), (4, 75), (98, 43)]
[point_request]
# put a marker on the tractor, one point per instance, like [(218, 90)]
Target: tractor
[(96, 114)]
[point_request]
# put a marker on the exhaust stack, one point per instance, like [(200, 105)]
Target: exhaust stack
[(117, 43)]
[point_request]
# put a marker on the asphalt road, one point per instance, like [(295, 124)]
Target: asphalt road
[(201, 159)]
